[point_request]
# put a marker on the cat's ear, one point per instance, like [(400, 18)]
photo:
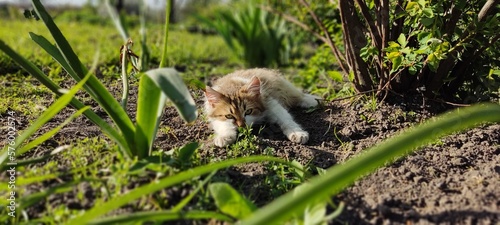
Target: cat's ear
[(212, 96), (253, 86)]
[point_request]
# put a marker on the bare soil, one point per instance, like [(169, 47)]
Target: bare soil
[(456, 180), (453, 181)]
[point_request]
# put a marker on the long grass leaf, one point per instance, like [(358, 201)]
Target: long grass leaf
[(36, 160), (158, 216), (163, 61), (40, 76), (62, 43), (185, 201), (29, 200), (172, 85), (166, 182), (150, 104), (117, 20), (52, 132), (340, 176), (94, 87), (54, 52), (47, 115)]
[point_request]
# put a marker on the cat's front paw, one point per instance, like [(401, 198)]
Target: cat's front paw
[(309, 101), (222, 141), (298, 136)]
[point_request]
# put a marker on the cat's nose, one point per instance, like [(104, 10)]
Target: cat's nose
[(240, 123)]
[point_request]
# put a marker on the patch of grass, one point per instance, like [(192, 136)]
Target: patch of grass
[(246, 144), (81, 36), (77, 163), (283, 178), (320, 77), (93, 166), (367, 118), (24, 95), (186, 49), (370, 102)]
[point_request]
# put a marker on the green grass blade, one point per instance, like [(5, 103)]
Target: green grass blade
[(54, 52), (145, 55), (29, 200), (36, 160), (94, 87), (163, 62), (158, 216), (117, 20), (166, 182), (185, 201), (340, 176), (62, 43), (40, 76), (47, 115), (172, 85), (52, 132), (150, 104)]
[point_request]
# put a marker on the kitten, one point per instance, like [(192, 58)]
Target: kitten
[(247, 97)]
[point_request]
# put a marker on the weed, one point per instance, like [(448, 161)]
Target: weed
[(367, 119), (283, 178), (246, 144), (345, 146), (371, 102), (319, 75)]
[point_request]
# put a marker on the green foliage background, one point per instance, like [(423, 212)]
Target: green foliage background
[(205, 56)]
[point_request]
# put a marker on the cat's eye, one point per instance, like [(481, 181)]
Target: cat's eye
[(229, 117), (248, 112)]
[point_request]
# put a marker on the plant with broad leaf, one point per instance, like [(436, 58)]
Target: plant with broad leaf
[(134, 140), (155, 87)]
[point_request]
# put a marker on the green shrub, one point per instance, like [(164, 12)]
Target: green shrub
[(258, 37), (444, 49), (320, 76)]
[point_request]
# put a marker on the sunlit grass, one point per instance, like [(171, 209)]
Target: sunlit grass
[(23, 95), (185, 48), (110, 174)]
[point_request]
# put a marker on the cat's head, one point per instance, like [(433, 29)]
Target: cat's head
[(241, 108)]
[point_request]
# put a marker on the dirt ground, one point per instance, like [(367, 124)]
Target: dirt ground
[(454, 181)]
